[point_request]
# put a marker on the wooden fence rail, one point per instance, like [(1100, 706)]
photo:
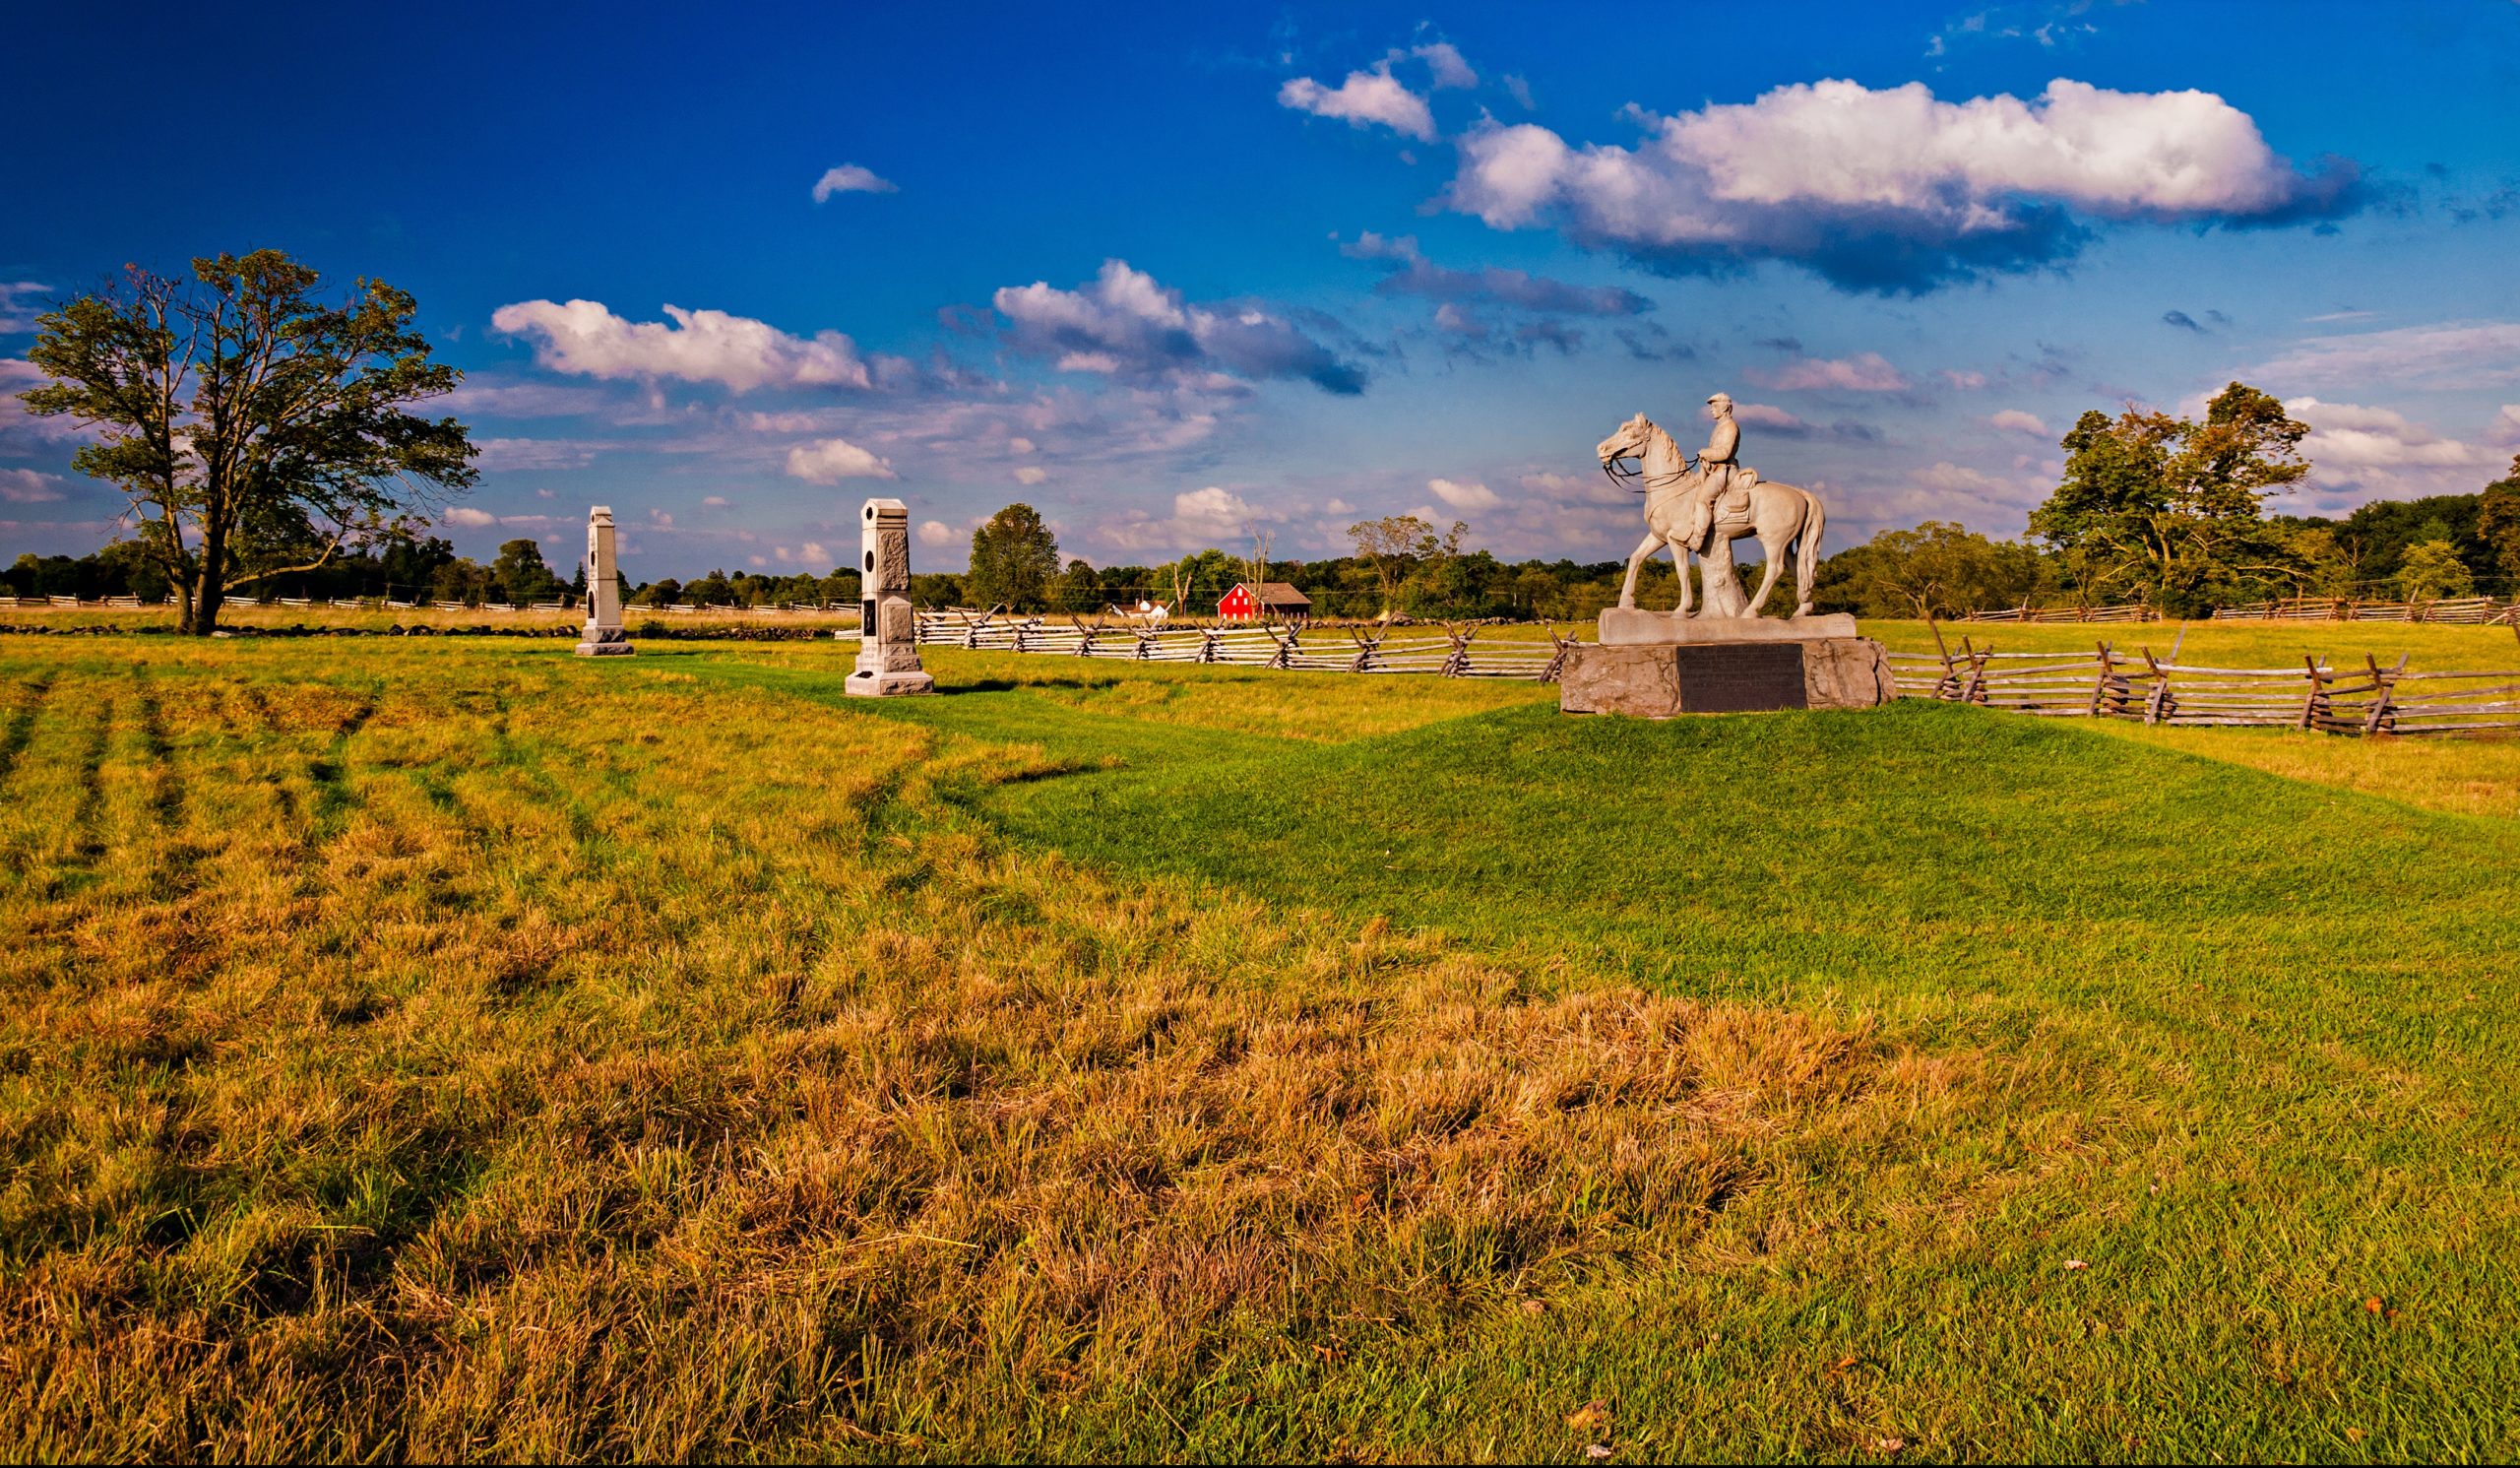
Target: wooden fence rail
[(2132, 611), (2368, 698), (1454, 652), (2458, 610), (2371, 698)]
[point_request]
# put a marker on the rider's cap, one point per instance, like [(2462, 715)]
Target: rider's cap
[(1724, 398)]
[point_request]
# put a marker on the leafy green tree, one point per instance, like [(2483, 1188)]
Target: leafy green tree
[(1014, 559), (1939, 569), (519, 575), (1078, 589), (256, 429), (2498, 525), (467, 581), (1395, 546), (711, 590), (2168, 508), (2431, 569), (935, 589)]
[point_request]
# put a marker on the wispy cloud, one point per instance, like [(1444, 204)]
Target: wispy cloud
[(1125, 323), (1365, 98), (850, 179)]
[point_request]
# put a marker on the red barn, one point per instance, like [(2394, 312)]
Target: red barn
[(1249, 602)]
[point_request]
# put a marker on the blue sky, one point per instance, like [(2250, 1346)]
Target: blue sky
[(1169, 272)]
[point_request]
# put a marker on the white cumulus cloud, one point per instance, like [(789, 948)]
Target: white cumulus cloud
[(1446, 62), (1461, 497), (832, 459), (1200, 518), (1893, 189), (935, 532), (585, 339), (1364, 98), (2014, 420), (1030, 474), (1766, 415), (850, 178), (469, 518)]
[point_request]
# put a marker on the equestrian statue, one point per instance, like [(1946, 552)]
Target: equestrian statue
[(1700, 508)]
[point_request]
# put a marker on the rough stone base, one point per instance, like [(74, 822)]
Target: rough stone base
[(1662, 681), (604, 650), (887, 684), (1630, 627)]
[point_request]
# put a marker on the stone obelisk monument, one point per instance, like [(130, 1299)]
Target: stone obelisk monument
[(602, 637), (887, 627)]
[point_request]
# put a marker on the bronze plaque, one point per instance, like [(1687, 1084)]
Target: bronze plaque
[(1740, 677)]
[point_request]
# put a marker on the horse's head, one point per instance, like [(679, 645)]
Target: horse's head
[(1629, 442), (1633, 438)]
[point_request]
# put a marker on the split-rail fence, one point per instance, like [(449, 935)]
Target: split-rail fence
[(2368, 698), (2466, 610), (1455, 652)]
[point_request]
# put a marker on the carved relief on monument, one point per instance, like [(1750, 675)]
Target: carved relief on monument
[(891, 561)]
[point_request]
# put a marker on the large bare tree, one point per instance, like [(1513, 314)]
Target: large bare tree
[(257, 428)]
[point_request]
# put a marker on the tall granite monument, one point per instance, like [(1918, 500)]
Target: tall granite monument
[(602, 637), (887, 627), (1719, 655)]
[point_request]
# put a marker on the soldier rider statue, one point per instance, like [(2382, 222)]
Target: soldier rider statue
[(1723, 485)]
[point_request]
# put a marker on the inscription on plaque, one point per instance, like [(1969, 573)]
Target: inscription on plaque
[(1740, 677)]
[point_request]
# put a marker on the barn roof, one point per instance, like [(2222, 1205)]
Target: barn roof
[(1277, 594)]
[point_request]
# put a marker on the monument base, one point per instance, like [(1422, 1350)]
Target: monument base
[(613, 645), (887, 684), (1662, 680), (1630, 627)]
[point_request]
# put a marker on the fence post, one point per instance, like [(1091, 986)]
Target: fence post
[(1457, 661), (2314, 707), (1976, 691), (2383, 718), (2100, 684), (2159, 706), (1364, 662), (1557, 660)]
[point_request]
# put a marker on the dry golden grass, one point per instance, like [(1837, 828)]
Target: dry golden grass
[(2468, 775), (414, 1055)]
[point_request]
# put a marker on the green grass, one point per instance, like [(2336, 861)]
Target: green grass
[(466, 1049)]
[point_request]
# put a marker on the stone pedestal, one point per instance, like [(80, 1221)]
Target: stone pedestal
[(602, 637), (887, 626), (1631, 627), (1664, 679)]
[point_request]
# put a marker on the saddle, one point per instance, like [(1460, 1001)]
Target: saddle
[(1735, 501)]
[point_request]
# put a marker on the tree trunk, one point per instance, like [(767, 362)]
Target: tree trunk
[(202, 617)]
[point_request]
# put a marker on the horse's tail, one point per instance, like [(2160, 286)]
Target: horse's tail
[(1807, 553)]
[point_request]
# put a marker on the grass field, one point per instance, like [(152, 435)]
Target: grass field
[(463, 1050)]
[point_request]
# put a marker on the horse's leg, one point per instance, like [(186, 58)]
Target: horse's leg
[(1635, 563), (1773, 550)]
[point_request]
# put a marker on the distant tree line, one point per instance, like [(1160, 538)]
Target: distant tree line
[(198, 389)]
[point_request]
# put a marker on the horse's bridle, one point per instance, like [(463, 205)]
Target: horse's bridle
[(1626, 478)]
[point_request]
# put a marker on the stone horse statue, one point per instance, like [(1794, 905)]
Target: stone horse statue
[(1782, 516)]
